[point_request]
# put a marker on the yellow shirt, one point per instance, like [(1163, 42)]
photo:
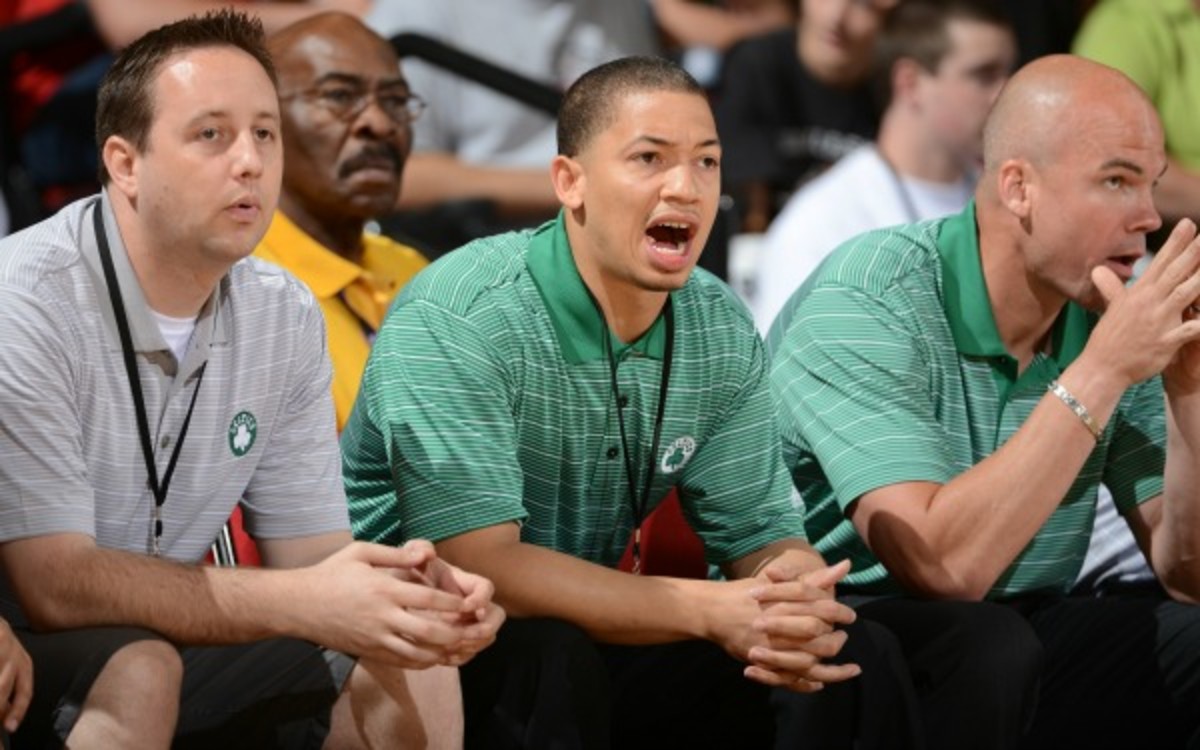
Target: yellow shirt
[(353, 298)]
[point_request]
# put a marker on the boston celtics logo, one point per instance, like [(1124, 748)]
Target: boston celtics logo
[(242, 431), (677, 454)]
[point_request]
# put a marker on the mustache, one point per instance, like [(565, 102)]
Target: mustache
[(370, 156)]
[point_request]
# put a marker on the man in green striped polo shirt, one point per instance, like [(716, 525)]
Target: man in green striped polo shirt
[(532, 396), (953, 392)]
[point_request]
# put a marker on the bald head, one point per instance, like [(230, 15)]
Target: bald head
[(333, 27), (1055, 100), (347, 113)]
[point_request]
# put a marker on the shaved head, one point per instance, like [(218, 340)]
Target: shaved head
[(1053, 101)]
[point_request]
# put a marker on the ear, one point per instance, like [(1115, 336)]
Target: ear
[(1014, 183), (121, 160), (567, 176), (905, 77)]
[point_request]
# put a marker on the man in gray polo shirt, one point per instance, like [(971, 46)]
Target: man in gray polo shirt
[(153, 376), (954, 392)]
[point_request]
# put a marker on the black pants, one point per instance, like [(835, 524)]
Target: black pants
[(546, 684), (1115, 672), (269, 694)]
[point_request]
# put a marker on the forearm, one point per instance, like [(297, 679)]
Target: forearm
[(795, 552), (431, 178), (691, 23), (188, 604), (972, 528), (1178, 193), (611, 606), (120, 22)]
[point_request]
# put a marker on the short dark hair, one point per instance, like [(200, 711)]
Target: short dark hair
[(588, 107), (125, 102), (919, 30)]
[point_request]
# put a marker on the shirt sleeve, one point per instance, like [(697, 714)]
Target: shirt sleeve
[(854, 388), (44, 487), (736, 492), (296, 489), (1133, 471), (431, 449)]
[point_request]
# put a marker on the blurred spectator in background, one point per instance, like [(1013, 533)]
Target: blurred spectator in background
[(53, 91), (705, 30), (477, 145), (793, 102), (940, 65), (347, 114)]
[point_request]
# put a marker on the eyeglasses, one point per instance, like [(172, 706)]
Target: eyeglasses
[(346, 101)]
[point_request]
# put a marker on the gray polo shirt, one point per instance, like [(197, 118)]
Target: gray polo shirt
[(70, 460)]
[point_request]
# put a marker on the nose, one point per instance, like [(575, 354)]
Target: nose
[(248, 158), (1146, 217), (681, 185), (373, 120)]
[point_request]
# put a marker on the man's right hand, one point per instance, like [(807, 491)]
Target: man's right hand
[(372, 602), (783, 623), (16, 679)]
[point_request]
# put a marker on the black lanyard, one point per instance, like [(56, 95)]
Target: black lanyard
[(637, 504), (135, 384)]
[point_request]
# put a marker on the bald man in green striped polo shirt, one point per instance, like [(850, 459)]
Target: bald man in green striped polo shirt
[(953, 392), (532, 396)]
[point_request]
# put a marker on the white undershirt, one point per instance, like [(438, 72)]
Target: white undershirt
[(937, 198), (176, 331)]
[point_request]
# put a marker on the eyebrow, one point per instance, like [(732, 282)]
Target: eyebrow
[(1122, 164), (659, 141), (358, 80), (221, 114)]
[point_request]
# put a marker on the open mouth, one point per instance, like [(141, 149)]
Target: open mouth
[(671, 236)]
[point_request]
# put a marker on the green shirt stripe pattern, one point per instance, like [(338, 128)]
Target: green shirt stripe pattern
[(888, 368), (487, 400)]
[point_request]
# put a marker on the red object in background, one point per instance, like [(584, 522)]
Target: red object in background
[(243, 544), (36, 76), (669, 546)]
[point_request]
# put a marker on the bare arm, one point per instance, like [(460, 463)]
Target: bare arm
[(1178, 193), (121, 21), (691, 23), (955, 540), (432, 177), (1168, 527), (351, 601), (617, 607)]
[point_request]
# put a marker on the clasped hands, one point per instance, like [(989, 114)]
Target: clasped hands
[(405, 606), (793, 634)]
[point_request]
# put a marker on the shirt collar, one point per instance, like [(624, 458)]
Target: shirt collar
[(143, 330), (969, 310), (577, 322), (324, 272)]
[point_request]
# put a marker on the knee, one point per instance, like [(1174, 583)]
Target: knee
[(144, 674), (995, 644)]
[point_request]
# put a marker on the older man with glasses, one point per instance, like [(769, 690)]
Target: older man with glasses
[(347, 114)]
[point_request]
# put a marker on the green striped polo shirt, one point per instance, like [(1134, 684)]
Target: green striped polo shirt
[(487, 400), (889, 368)]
